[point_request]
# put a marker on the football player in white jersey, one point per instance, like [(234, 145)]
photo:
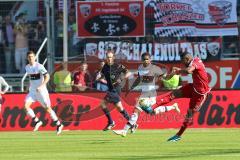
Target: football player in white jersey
[(148, 74), (39, 77), (3, 84)]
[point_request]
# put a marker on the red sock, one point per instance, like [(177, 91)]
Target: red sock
[(160, 100), (182, 129), (187, 122)]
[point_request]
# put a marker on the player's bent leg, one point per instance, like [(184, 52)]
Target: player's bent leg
[(31, 113), (55, 119), (164, 99), (176, 108), (132, 123), (120, 108), (162, 109), (109, 126), (187, 122), (111, 123)]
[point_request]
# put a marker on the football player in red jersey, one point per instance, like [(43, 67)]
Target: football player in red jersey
[(196, 91)]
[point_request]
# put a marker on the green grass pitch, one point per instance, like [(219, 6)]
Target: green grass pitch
[(199, 144)]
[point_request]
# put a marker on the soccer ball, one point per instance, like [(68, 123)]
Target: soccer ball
[(144, 102), (146, 105)]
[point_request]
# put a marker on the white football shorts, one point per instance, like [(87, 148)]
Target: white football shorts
[(42, 97)]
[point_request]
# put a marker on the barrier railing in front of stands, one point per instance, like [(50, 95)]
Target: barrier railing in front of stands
[(37, 55)]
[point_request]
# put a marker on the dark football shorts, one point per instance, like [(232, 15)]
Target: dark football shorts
[(113, 96)]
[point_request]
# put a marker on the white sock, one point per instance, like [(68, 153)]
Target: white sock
[(30, 113), (169, 108), (133, 119), (162, 109), (53, 116), (126, 127)]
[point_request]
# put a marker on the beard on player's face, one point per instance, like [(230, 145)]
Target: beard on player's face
[(186, 61)]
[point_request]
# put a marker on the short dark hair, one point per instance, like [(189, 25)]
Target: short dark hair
[(30, 52), (145, 54), (183, 54)]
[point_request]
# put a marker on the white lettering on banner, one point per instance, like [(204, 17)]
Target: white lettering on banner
[(224, 77), (159, 51), (101, 50), (213, 77)]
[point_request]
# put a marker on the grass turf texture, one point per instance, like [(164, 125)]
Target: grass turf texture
[(199, 144)]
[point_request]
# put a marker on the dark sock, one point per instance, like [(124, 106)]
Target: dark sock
[(125, 114), (130, 125), (107, 114), (34, 120), (58, 123)]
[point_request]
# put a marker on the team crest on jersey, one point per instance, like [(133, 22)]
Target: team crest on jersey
[(220, 11), (85, 10), (134, 9)]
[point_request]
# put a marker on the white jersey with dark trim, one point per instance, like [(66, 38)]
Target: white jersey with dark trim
[(3, 84), (149, 76), (35, 72)]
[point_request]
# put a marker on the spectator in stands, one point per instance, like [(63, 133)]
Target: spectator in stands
[(21, 42), (100, 81), (8, 28), (3, 89), (1, 48), (82, 79), (62, 79), (41, 31), (59, 35)]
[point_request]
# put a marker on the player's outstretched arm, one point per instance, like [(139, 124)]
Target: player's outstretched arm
[(135, 83), (188, 70)]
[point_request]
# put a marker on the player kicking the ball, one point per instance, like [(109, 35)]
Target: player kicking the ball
[(196, 91), (147, 77), (38, 92)]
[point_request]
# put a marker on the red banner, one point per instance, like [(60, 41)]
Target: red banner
[(81, 111), (223, 74), (110, 18)]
